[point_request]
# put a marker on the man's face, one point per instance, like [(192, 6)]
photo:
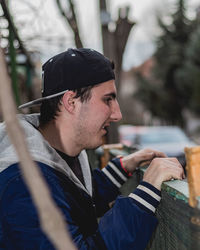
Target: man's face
[(95, 115)]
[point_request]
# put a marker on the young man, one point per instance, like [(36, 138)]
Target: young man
[(79, 103)]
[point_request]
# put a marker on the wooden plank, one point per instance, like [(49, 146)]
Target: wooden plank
[(193, 173)]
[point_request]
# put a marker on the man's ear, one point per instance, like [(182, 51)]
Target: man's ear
[(69, 101)]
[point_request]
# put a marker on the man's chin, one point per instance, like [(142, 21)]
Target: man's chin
[(96, 145)]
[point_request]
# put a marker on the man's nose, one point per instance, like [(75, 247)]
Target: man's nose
[(116, 114)]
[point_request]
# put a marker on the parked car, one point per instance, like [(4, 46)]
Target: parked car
[(169, 139)]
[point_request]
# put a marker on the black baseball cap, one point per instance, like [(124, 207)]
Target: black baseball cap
[(73, 69)]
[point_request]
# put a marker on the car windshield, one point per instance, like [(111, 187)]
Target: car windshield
[(171, 136)]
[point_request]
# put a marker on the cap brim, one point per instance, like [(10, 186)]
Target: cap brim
[(40, 100)]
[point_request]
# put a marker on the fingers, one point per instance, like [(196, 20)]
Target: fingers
[(173, 170), (163, 169), (144, 163), (156, 153), (177, 164), (142, 157), (146, 155)]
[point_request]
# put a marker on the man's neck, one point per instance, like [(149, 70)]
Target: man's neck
[(62, 142)]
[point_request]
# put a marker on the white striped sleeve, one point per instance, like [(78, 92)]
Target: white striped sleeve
[(115, 173), (146, 197)]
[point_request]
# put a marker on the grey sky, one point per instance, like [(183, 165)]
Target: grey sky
[(40, 20)]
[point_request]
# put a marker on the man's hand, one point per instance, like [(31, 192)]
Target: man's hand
[(163, 169), (144, 157)]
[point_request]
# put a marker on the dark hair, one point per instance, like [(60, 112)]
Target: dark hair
[(49, 109)]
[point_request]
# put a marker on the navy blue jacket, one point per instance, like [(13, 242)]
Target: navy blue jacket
[(127, 225)]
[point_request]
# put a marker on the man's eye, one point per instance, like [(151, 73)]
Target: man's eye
[(108, 100)]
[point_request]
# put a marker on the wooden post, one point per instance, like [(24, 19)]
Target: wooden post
[(193, 173), (106, 155)]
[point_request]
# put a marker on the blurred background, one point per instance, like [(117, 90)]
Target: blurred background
[(154, 44)]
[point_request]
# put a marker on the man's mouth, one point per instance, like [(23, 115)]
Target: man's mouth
[(105, 127)]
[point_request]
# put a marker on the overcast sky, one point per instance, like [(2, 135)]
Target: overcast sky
[(40, 20)]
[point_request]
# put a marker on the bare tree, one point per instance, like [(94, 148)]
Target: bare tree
[(114, 43), (70, 17)]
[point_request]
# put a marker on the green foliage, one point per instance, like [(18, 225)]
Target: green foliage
[(189, 74), (150, 94), (174, 82)]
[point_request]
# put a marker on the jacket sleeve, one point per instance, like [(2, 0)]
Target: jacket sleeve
[(106, 184), (131, 220)]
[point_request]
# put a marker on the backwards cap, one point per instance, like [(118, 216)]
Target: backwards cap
[(73, 69)]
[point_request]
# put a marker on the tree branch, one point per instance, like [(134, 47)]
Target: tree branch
[(71, 19), (51, 219), (120, 37), (12, 25)]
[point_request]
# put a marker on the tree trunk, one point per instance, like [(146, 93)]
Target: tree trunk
[(114, 43)]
